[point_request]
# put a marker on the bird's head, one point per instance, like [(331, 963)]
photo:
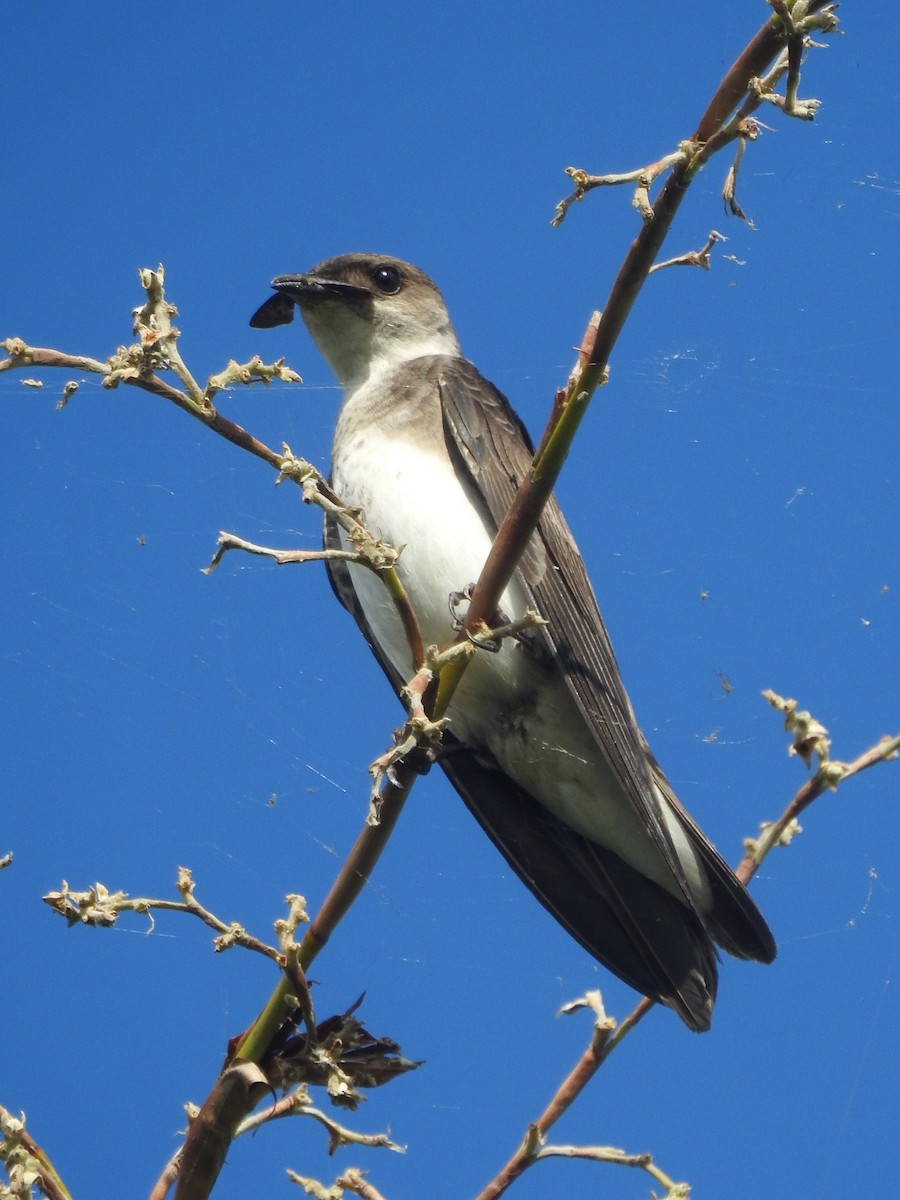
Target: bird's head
[(365, 312)]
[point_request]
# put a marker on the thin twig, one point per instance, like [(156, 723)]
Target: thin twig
[(619, 1158), (352, 1180), (296, 1104), (692, 258), (810, 740), (231, 541), (98, 906)]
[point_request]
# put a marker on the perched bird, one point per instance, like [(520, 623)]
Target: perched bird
[(543, 744)]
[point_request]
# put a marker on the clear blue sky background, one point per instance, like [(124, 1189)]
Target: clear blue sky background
[(746, 448)]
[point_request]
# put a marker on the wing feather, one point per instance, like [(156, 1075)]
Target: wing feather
[(495, 449), (656, 943)]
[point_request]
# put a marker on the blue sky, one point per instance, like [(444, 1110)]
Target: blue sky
[(745, 448)]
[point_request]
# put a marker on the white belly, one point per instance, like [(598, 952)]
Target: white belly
[(537, 734)]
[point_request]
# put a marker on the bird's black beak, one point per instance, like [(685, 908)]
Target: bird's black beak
[(295, 289)]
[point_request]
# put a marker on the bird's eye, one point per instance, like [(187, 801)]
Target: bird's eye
[(387, 280)]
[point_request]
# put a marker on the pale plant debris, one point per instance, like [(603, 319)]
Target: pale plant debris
[(810, 735), (250, 372), (352, 1180)]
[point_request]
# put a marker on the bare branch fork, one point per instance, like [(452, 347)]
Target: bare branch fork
[(794, 24)]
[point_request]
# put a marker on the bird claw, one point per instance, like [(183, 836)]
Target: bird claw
[(492, 645)]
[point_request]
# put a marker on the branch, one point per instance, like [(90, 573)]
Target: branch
[(741, 86), (810, 741), (591, 370), (99, 907), (692, 258), (27, 1165), (352, 1180), (619, 1158), (129, 366), (202, 1155), (642, 176), (231, 541), (604, 1039), (157, 349)]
